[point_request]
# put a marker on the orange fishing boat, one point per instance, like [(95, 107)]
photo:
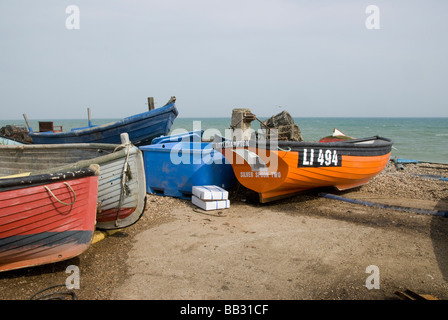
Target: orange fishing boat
[(279, 169)]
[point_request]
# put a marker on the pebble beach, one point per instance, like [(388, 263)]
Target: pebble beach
[(157, 259)]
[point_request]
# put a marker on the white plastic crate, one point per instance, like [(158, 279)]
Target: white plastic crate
[(210, 193), (210, 204)]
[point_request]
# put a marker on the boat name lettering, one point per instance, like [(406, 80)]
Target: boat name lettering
[(260, 174), (319, 158)]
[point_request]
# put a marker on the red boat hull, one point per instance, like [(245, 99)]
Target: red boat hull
[(46, 221)]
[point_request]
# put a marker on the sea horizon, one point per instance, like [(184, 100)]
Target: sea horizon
[(264, 117), (415, 138)]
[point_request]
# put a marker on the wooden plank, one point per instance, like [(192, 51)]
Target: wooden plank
[(150, 103)]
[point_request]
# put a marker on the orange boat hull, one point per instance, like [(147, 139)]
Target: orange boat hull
[(288, 172)]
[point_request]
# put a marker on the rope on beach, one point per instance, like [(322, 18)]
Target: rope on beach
[(385, 206)]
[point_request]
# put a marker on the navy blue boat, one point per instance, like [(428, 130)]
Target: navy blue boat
[(141, 128)]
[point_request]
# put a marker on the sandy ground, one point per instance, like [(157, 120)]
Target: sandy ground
[(301, 248)]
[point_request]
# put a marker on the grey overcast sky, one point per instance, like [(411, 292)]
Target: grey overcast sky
[(313, 58)]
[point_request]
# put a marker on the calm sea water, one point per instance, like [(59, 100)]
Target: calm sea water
[(423, 139)]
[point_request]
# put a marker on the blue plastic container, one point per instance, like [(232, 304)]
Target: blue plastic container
[(192, 136), (172, 169)]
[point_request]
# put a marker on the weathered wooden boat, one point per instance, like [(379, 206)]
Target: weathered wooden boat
[(278, 169), (142, 129), (46, 218), (121, 185)]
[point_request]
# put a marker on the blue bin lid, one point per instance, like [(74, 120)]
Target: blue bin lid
[(188, 136), (190, 147)]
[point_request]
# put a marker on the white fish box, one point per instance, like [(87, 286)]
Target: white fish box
[(210, 193), (210, 204)]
